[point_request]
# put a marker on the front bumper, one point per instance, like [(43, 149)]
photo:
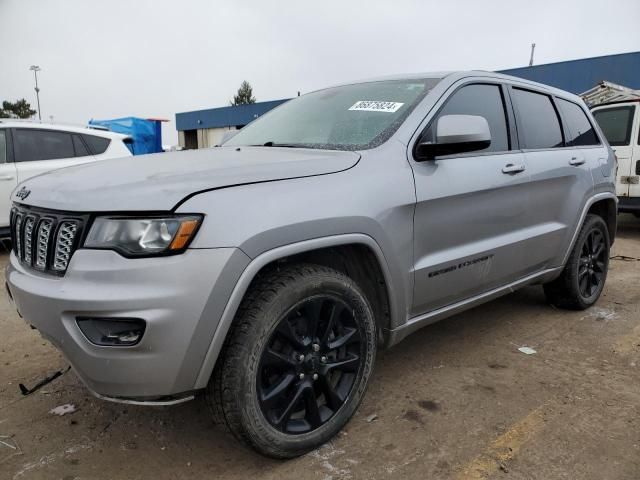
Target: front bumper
[(169, 293)]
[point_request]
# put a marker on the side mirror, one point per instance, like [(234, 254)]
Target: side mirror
[(455, 134)]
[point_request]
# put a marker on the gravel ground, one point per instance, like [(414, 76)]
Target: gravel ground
[(457, 400)]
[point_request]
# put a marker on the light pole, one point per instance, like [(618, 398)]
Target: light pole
[(36, 69)]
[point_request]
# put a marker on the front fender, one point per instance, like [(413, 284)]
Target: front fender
[(270, 256)]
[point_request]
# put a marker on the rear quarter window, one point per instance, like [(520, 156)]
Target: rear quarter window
[(580, 131), (97, 145), (538, 122), (616, 123)]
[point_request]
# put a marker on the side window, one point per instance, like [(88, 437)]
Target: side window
[(580, 132), (97, 145), (33, 145), (80, 148), (3, 146), (616, 123), (538, 123), (482, 100)]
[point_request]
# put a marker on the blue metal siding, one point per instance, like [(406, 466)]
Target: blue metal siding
[(224, 116), (577, 76)]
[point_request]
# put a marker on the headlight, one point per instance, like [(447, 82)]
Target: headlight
[(135, 237)]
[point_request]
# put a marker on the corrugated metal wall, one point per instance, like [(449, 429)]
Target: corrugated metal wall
[(577, 76)]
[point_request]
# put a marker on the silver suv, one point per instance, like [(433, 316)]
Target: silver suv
[(268, 271)]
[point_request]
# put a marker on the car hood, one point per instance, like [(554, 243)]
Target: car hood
[(160, 181)]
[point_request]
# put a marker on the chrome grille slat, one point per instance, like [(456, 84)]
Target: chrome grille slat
[(29, 223), (45, 240), (18, 229), (64, 244), (44, 233)]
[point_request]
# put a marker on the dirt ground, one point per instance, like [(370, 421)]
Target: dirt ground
[(457, 400)]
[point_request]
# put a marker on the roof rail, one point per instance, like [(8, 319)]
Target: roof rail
[(609, 92)]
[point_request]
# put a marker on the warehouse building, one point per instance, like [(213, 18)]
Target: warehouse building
[(206, 128)]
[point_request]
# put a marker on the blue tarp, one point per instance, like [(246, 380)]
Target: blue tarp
[(146, 134)]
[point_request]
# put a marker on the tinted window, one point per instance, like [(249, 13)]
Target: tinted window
[(78, 145), (3, 146), (580, 130), (97, 145), (41, 145), (538, 124), (616, 124), (482, 100)]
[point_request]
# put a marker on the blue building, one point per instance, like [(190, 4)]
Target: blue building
[(205, 128), (577, 76)]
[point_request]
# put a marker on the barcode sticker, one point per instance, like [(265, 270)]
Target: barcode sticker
[(376, 106)]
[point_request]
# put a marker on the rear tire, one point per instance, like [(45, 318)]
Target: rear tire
[(581, 282), (296, 362)]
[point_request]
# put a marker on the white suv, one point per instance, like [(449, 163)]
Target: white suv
[(620, 123), (28, 149)]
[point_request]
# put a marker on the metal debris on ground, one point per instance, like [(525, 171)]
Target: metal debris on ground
[(624, 258), (371, 418), (28, 391), (527, 350), (63, 409)]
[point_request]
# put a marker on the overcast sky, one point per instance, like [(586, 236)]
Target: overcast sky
[(107, 59)]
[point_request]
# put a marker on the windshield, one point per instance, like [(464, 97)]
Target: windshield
[(350, 117)]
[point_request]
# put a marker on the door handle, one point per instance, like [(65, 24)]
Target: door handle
[(6, 177), (576, 162), (513, 168)]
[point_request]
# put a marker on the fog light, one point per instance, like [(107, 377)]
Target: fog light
[(122, 332)]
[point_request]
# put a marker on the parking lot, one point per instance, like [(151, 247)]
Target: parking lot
[(455, 401)]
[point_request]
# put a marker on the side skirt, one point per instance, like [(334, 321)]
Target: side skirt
[(416, 323)]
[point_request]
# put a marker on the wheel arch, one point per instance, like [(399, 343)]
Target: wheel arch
[(606, 208), (357, 255), (605, 203)]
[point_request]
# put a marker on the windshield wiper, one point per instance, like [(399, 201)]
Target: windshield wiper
[(286, 145)]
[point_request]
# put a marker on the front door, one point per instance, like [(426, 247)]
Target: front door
[(469, 230)]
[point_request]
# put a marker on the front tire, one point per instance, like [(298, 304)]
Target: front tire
[(297, 361), (582, 280)]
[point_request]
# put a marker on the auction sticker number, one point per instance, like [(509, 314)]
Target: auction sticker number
[(376, 106)]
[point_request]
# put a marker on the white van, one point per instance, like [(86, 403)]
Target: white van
[(28, 149), (620, 122)]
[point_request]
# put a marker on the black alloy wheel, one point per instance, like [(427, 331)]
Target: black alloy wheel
[(309, 365), (593, 262)]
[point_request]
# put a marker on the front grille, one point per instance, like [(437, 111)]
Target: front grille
[(45, 240)]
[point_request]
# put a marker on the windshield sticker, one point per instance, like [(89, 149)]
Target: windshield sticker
[(376, 106)]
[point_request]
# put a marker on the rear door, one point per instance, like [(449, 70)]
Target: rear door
[(38, 151), (560, 175), (617, 123), (8, 177), (469, 224)]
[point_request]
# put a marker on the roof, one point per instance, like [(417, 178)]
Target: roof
[(16, 123), (577, 76), (224, 116)]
